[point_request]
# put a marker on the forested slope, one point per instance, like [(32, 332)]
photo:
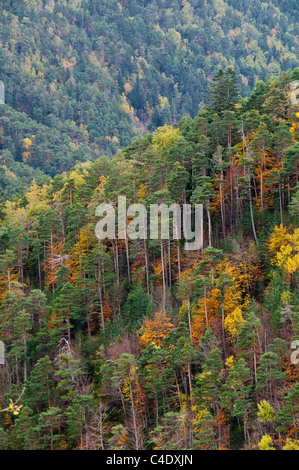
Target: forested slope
[(142, 345), (83, 77)]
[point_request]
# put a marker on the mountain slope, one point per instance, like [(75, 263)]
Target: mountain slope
[(90, 75)]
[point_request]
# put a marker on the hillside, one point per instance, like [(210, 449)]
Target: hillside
[(84, 77)]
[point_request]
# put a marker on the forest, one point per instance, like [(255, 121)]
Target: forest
[(84, 77), (139, 344)]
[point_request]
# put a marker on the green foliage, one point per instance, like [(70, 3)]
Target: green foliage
[(121, 344)]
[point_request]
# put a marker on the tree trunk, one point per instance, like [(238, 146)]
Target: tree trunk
[(189, 320), (179, 259), (210, 227), (101, 299), (128, 259), (205, 304), (251, 214), (146, 268), (169, 263), (134, 417)]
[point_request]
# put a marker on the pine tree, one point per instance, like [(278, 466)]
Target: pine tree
[(224, 91), (236, 394), (40, 385)]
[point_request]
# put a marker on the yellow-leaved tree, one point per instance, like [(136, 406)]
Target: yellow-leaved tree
[(233, 321), (287, 257), (266, 443)]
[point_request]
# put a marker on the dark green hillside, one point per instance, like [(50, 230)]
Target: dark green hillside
[(88, 75)]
